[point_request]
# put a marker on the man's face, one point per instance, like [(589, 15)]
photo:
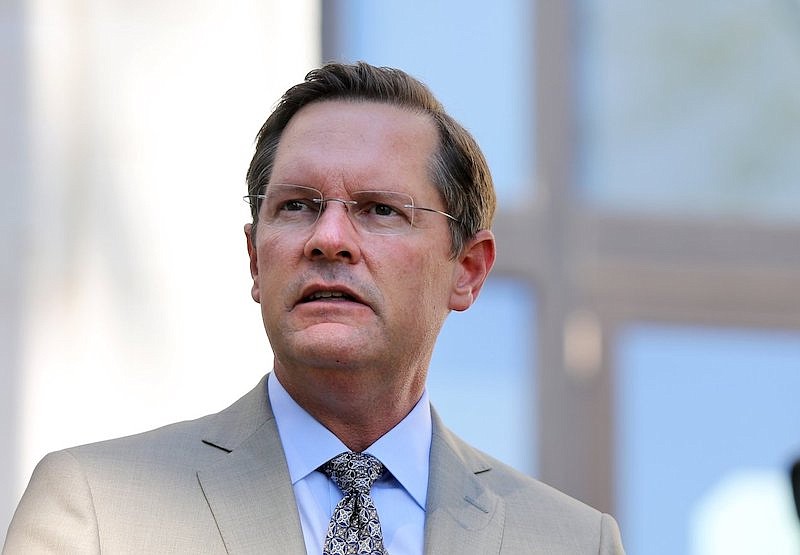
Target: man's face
[(333, 297)]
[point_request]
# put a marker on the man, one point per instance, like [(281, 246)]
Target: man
[(371, 212)]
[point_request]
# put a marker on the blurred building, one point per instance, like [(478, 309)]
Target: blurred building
[(640, 337)]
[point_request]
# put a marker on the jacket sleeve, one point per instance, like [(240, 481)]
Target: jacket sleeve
[(56, 513)]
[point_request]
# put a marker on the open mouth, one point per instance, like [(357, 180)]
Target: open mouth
[(328, 296)]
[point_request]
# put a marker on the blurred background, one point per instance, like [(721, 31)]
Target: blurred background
[(639, 339)]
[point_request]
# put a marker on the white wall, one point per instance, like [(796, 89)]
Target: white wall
[(125, 298)]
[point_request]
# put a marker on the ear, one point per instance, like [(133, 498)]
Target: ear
[(253, 254), (473, 266)]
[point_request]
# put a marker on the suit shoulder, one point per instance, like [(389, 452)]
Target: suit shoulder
[(536, 517), (174, 436), (517, 487), (182, 440)]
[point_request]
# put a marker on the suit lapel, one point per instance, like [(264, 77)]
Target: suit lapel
[(462, 516), (250, 492), (251, 496)]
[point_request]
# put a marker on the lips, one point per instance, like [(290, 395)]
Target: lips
[(329, 293)]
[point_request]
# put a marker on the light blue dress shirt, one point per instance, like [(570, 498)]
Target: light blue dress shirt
[(399, 495)]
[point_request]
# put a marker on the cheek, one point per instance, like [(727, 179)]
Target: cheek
[(425, 280), (274, 267), (273, 254)]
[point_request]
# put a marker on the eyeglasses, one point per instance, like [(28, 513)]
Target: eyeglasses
[(291, 207)]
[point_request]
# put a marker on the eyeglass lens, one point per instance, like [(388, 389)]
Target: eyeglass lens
[(380, 212)]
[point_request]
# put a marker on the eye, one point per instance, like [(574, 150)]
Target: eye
[(296, 205), (380, 210), (383, 210)]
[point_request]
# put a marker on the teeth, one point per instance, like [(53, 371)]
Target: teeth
[(326, 295)]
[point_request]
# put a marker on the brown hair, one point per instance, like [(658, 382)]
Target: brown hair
[(458, 168)]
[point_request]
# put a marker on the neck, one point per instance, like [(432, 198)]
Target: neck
[(357, 410)]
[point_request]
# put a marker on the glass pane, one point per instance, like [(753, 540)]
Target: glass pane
[(478, 60), (691, 107), (707, 428), (481, 378)]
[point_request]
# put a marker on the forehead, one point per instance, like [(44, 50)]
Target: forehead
[(354, 144)]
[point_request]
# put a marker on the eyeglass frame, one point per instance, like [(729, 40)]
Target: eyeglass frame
[(322, 202)]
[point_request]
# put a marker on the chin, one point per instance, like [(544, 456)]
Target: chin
[(332, 347)]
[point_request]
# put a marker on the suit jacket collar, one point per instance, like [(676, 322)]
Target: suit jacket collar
[(462, 515), (250, 492)]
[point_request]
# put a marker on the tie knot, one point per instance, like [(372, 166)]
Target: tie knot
[(353, 472)]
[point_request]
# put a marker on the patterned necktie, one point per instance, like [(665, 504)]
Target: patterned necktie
[(354, 528)]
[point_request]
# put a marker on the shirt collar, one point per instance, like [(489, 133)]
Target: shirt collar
[(404, 450)]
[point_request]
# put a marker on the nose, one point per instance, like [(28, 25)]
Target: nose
[(333, 236)]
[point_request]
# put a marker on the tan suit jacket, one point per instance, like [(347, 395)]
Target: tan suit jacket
[(220, 484)]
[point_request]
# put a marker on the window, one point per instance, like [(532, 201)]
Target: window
[(707, 430)]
